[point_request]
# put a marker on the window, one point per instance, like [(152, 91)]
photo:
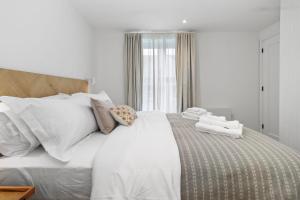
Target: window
[(159, 72)]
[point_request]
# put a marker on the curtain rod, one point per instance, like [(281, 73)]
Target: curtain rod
[(160, 32)]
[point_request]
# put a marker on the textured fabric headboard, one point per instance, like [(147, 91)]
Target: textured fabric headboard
[(26, 84)]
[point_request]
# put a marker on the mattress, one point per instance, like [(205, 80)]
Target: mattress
[(52, 178)]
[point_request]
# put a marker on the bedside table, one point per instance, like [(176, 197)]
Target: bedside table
[(16, 192)]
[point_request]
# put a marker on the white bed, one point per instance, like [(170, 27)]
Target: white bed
[(54, 179), (136, 162), (139, 162)]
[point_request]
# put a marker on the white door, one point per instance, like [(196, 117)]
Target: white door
[(270, 87)]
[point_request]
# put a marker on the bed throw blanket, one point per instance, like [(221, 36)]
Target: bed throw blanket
[(215, 167)]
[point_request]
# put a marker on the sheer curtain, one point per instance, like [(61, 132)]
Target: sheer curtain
[(159, 72)]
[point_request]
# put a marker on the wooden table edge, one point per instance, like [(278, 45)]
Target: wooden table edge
[(28, 190)]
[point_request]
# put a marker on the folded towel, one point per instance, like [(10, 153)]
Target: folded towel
[(191, 116), (196, 110), (234, 133), (215, 118), (193, 113), (225, 124)]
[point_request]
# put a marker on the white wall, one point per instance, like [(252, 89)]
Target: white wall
[(228, 71), (45, 37), (109, 68), (290, 73), (270, 31), (229, 74)]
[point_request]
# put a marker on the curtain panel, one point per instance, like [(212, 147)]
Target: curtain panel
[(185, 70), (133, 59)]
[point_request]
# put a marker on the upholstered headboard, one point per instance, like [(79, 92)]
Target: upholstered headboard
[(26, 84)]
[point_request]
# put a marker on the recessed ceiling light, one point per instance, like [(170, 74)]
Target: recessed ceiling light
[(184, 21)]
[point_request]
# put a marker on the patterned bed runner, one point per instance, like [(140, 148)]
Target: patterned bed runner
[(221, 168)]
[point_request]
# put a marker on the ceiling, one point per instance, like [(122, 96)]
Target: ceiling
[(203, 15)]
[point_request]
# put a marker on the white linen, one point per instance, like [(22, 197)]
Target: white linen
[(226, 124), (196, 110), (85, 98), (16, 139), (212, 129), (215, 118), (191, 116), (3, 107), (59, 125), (17, 104), (194, 113), (58, 96), (138, 162), (12, 142), (52, 178)]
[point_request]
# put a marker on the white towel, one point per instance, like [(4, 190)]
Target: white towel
[(215, 118), (225, 124), (234, 133), (191, 116), (196, 110), (193, 113)]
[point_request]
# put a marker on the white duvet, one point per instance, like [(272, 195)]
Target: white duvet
[(139, 162)]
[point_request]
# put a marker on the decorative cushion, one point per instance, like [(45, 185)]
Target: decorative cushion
[(124, 114), (104, 119)]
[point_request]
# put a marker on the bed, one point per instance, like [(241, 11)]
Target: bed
[(54, 179), (162, 157)]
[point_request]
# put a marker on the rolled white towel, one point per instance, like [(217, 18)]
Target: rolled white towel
[(225, 124), (191, 116), (215, 118), (234, 133)]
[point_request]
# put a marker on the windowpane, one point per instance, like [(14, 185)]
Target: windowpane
[(159, 72)]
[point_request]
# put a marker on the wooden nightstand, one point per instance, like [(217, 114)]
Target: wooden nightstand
[(16, 192)]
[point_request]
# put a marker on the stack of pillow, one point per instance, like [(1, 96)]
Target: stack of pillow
[(57, 123)]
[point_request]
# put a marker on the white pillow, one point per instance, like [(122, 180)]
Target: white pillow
[(59, 125), (16, 139), (85, 98), (57, 96), (17, 104), (12, 143)]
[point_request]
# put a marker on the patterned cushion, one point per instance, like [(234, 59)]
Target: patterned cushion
[(124, 114)]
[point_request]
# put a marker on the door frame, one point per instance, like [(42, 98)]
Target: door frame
[(261, 41)]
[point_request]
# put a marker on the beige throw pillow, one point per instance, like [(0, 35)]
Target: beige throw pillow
[(124, 114), (103, 116)]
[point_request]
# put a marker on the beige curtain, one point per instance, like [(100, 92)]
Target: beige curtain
[(133, 58), (185, 70)]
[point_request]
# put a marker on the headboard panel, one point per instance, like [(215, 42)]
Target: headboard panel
[(26, 84)]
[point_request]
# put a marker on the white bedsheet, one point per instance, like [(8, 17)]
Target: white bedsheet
[(138, 162), (54, 179)]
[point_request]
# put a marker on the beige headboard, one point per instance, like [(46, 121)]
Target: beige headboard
[(26, 84)]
